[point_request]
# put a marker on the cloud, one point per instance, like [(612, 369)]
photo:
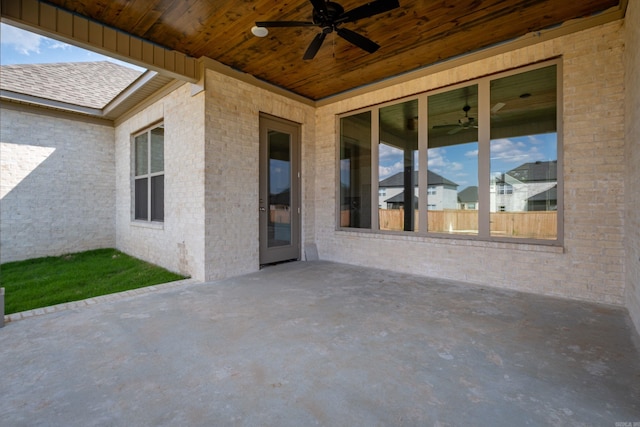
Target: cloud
[(386, 171), (439, 162), (510, 151), (58, 45), (386, 151), (24, 42), (390, 161)]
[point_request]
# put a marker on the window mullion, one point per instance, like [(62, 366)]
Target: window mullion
[(375, 142), (423, 162), (484, 161), (149, 175)]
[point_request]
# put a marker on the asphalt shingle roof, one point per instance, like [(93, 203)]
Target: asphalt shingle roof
[(536, 172), (468, 195), (550, 194), (87, 84), (397, 180)]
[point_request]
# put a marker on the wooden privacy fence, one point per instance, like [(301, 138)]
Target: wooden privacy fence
[(537, 225)]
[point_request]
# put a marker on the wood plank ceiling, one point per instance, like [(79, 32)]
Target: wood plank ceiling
[(417, 34)]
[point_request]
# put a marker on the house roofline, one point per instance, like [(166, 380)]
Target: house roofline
[(49, 103)]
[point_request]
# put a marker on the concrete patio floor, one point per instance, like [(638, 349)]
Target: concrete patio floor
[(318, 343)]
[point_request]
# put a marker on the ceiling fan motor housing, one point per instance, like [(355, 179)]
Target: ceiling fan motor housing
[(466, 121), (331, 13)]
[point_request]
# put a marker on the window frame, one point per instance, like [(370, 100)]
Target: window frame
[(148, 176), (484, 141)]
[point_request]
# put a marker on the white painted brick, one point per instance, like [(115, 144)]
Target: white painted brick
[(57, 185)]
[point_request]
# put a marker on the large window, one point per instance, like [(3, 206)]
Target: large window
[(398, 167), (524, 155), (479, 160), (149, 175), (355, 171), (452, 159)]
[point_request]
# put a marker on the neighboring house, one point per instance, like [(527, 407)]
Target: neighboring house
[(171, 169), (468, 198), (529, 187), (441, 192)]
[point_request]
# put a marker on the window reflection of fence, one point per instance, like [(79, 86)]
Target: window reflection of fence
[(534, 225), (279, 215)]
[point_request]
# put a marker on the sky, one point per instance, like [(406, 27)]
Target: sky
[(23, 47)]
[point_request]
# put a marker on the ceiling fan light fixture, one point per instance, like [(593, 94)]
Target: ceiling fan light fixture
[(259, 31)]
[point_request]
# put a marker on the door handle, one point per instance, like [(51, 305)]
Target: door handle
[(263, 209)]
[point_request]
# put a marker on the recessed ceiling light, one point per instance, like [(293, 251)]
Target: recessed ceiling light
[(259, 31)]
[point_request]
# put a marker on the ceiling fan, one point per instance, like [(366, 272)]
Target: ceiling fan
[(329, 16), (465, 122)]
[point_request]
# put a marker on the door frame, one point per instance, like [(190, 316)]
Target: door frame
[(293, 251)]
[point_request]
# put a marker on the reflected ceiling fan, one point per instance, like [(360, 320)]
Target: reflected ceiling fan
[(465, 122), (329, 16)]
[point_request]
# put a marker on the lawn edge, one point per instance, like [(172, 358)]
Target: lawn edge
[(27, 314)]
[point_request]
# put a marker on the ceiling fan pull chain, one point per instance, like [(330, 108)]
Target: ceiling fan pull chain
[(333, 42)]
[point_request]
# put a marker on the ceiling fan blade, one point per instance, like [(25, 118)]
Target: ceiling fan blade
[(497, 107), (361, 41), (314, 46), (271, 24), (444, 126), (367, 10), (454, 131)]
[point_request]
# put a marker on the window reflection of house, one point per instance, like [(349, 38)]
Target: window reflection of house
[(529, 187), (468, 198), (442, 192)]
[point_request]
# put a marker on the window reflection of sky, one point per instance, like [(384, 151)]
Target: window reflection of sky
[(459, 163), (279, 176)]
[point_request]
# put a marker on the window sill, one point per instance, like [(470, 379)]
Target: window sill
[(448, 240), (148, 224)]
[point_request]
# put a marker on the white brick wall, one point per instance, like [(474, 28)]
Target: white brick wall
[(232, 142), (57, 183), (632, 156), (211, 178), (178, 243), (590, 265)]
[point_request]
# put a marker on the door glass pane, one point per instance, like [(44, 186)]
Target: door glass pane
[(279, 223), (355, 171), (398, 167), (524, 155), (157, 150), (142, 159), (452, 176)]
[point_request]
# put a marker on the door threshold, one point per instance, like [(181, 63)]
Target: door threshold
[(271, 264)]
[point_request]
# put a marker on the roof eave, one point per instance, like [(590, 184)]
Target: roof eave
[(137, 91)]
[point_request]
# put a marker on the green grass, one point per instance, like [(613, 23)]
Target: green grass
[(42, 282)]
